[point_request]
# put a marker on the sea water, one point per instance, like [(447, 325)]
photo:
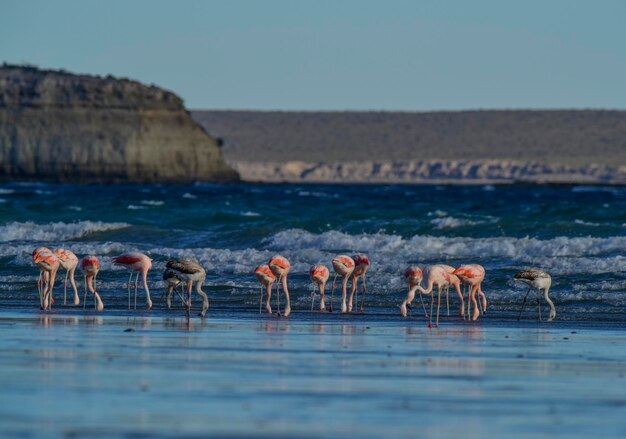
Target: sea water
[(78, 373), (575, 233)]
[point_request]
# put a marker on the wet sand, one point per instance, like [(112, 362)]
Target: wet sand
[(249, 376)]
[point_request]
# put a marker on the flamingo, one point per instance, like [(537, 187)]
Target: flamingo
[(190, 270), (68, 262), (413, 276), (438, 276), (48, 264), (267, 279), (319, 276), (454, 280), (473, 275), (90, 266), (172, 281), (344, 267), (540, 280), (43, 275), (280, 266), (361, 264), (139, 263)]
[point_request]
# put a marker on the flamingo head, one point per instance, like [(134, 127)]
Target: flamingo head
[(413, 276)]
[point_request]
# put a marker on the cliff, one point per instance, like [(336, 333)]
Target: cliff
[(559, 146), (57, 126)]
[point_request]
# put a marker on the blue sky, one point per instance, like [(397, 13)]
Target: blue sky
[(337, 55)]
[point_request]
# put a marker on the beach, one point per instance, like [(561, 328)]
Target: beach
[(75, 375)]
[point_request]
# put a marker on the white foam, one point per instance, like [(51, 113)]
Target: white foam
[(135, 207), (449, 222), (189, 196), (75, 208), (6, 191), (250, 213), (153, 202), (586, 223), (29, 231)]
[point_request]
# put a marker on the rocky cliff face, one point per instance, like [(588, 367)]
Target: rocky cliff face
[(58, 126)]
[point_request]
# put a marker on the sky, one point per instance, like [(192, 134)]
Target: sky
[(337, 54)]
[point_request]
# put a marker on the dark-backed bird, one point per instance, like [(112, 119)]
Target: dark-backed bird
[(539, 280)]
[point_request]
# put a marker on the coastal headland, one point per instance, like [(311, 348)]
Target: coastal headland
[(58, 126)]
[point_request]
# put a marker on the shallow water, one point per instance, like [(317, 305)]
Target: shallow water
[(577, 233), (322, 375), (77, 373)]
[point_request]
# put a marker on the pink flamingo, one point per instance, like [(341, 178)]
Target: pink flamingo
[(69, 262), (190, 270), (413, 276), (267, 279), (90, 266), (280, 266), (473, 275), (139, 263), (438, 276), (344, 267), (361, 264), (454, 280), (43, 275), (319, 276), (48, 265)]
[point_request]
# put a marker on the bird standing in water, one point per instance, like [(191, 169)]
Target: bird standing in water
[(344, 266), (171, 283), (361, 264), (137, 263), (190, 271), (43, 275), (280, 266), (267, 279), (90, 266), (539, 280), (473, 275), (319, 276), (437, 275), (68, 262), (48, 265), (413, 276)]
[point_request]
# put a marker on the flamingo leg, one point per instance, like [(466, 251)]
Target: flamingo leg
[(332, 292), (129, 282), (261, 302), (539, 302), (430, 317), (189, 298), (73, 284), (95, 292), (85, 295), (438, 305), (268, 306), (313, 298), (65, 288), (523, 304), (355, 293), (423, 306), (39, 282), (278, 295), (363, 295), (136, 286), (448, 299)]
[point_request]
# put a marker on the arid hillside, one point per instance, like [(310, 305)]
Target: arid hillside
[(57, 126)]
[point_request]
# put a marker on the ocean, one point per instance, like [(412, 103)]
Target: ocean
[(79, 373), (575, 233)]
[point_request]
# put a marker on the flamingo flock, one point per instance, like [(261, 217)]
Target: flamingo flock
[(466, 280)]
